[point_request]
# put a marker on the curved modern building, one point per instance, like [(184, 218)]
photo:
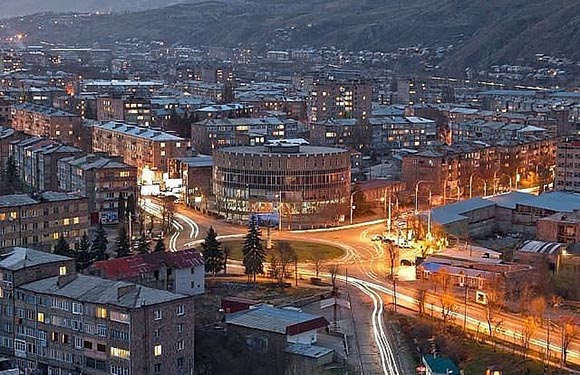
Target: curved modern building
[(306, 186)]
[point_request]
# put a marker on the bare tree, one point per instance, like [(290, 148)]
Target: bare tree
[(570, 331), (538, 308), (317, 262), (421, 298), (448, 307), (493, 308), (393, 253), (529, 327)]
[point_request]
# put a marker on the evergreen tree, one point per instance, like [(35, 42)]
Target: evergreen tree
[(253, 251), (62, 247), (130, 205), (123, 246), (11, 176), (121, 209), (142, 245), (83, 255), (212, 252), (159, 245), (100, 243)]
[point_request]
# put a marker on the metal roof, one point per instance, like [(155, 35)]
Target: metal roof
[(101, 291), (17, 258), (541, 247), (277, 320)]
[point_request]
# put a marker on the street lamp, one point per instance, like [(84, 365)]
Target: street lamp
[(388, 209), (352, 204), (279, 196), (417, 195)]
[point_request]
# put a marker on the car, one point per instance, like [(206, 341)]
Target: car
[(405, 245), (377, 237)]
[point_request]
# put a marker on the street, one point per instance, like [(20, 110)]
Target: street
[(365, 267)]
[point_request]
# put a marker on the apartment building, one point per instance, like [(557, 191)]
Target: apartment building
[(66, 323), (148, 150), (453, 171), (401, 132), (568, 166), (212, 134), (37, 161), (129, 109), (102, 180), (8, 135), (340, 98), (39, 220), (47, 122)]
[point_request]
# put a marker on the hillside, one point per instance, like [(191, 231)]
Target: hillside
[(11, 8), (481, 32)]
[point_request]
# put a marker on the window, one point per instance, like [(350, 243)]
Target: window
[(62, 270), (101, 330), (120, 317), (77, 308), (156, 333), (64, 339), (20, 346), (192, 270), (180, 362), (120, 353), (157, 315), (157, 350), (119, 370), (101, 312), (157, 368), (180, 345), (102, 348), (88, 344), (40, 317), (78, 342), (180, 310), (180, 328)]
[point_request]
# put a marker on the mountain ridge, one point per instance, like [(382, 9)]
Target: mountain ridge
[(481, 32)]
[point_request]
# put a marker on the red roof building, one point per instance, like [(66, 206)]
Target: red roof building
[(180, 272)]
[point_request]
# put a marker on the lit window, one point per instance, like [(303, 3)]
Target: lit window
[(157, 350), (120, 353), (40, 317), (76, 220), (66, 221), (62, 270), (101, 312)]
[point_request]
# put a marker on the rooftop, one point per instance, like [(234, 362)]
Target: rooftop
[(454, 212), (197, 161), (133, 266), (102, 291), (140, 132), (554, 201), (541, 247), (13, 200), (305, 350), (440, 365), (16, 258), (277, 320), (49, 111), (262, 150)]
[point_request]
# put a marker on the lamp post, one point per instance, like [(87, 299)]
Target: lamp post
[(279, 196), (429, 219), (352, 204), (417, 195), (389, 209)]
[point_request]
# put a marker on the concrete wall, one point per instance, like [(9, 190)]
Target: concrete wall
[(184, 279)]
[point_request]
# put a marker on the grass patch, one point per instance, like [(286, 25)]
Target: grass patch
[(306, 251)]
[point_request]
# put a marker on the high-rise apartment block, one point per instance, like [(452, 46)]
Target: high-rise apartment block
[(340, 98)]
